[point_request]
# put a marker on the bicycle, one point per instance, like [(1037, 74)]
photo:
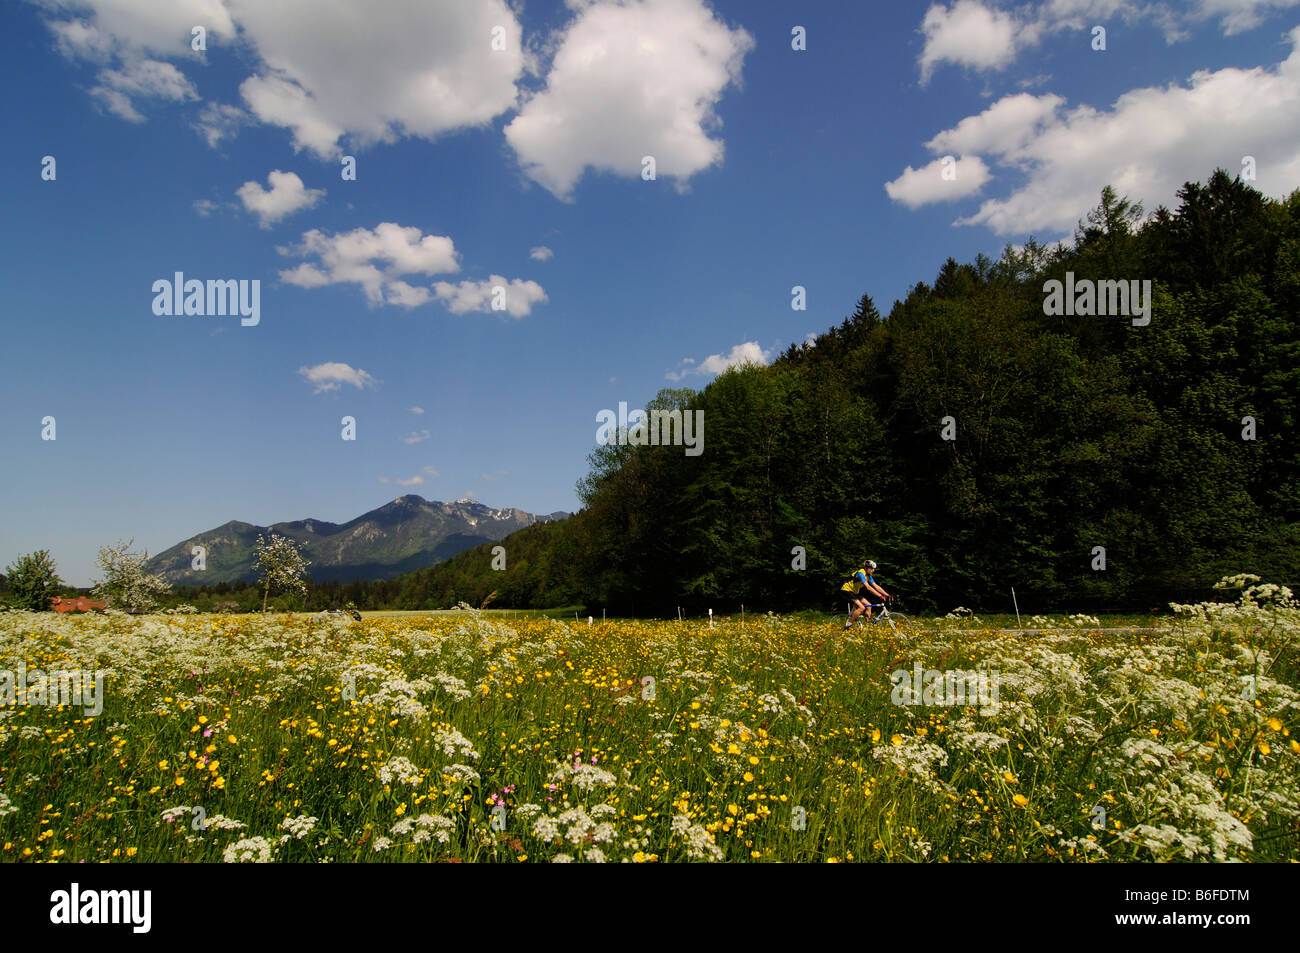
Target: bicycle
[(895, 619)]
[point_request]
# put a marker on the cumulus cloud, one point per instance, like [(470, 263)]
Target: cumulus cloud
[(630, 79), (406, 295), (917, 187), (516, 297), (373, 259), (77, 39), (105, 26), (130, 40), (1237, 16), (541, 253), (979, 34), (412, 68), (285, 196), (747, 353), (119, 89), (218, 121), (416, 480), (416, 410), (1146, 144), (332, 375), (625, 78), (969, 34), (1007, 125), (417, 436)]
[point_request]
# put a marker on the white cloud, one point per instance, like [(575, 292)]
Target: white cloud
[(118, 90), (205, 207), (372, 259), (128, 38), (747, 353), (322, 70), (429, 470), (980, 35), (78, 39), (1006, 125), (416, 480), (286, 196), (217, 121), (1237, 16), (151, 26), (1146, 144), (541, 253), (916, 187), (518, 297), (333, 375), (406, 296), (630, 79), (417, 436), (969, 34), (412, 68), (375, 258), (279, 102), (416, 410)]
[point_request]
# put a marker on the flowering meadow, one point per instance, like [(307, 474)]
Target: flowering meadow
[(307, 738)]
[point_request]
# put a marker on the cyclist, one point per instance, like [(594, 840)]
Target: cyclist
[(858, 588)]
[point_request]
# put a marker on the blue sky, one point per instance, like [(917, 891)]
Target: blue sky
[(521, 168)]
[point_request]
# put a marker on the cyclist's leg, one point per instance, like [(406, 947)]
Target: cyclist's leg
[(854, 606)]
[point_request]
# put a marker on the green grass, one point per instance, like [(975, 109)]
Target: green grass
[(780, 739)]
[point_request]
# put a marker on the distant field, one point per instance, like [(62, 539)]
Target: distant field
[(561, 613), (981, 622)]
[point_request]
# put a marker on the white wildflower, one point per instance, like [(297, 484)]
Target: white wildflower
[(255, 850)]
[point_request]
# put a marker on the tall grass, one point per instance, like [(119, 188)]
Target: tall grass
[(475, 738)]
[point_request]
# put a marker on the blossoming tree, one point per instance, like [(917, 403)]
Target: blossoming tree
[(127, 584), (280, 565)]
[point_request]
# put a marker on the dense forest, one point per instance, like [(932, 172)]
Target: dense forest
[(1094, 463), (1172, 445)]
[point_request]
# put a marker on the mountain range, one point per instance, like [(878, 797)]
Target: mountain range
[(408, 533)]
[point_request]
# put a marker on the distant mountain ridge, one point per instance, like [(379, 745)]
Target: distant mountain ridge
[(407, 533)]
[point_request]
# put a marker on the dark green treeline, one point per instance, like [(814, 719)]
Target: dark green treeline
[(1072, 432)]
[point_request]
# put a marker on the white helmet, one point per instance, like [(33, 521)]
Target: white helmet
[(870, 564)]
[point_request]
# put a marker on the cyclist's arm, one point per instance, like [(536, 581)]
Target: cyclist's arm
[(875, 587)]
